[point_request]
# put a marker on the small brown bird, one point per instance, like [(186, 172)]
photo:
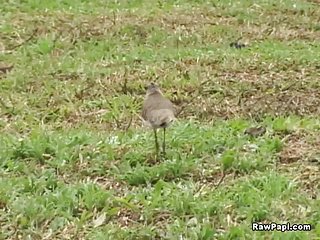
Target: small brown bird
[(255, 131), (157, 112)]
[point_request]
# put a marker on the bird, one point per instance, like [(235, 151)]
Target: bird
[(157, 112), (255, 131)]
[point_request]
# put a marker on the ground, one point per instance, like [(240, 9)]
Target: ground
[(75, 161)]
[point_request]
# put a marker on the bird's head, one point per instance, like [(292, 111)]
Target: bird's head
[(152, 89)]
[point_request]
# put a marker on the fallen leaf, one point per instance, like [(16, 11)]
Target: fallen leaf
[(99, 220)]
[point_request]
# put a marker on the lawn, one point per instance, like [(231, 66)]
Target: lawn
[(75, 160)]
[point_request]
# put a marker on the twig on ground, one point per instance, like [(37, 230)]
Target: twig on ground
[(25, 41), (220, 181)]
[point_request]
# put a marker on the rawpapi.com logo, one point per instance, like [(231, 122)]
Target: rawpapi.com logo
[(284, 227)]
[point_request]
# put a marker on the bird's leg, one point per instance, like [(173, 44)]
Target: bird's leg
[(156, 140), (164, 142)]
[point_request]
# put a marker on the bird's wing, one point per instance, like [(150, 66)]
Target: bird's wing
[(161, 117)]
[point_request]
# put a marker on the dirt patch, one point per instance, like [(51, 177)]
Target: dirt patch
[(299, 148)]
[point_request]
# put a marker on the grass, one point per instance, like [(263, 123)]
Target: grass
[(75, 162)]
